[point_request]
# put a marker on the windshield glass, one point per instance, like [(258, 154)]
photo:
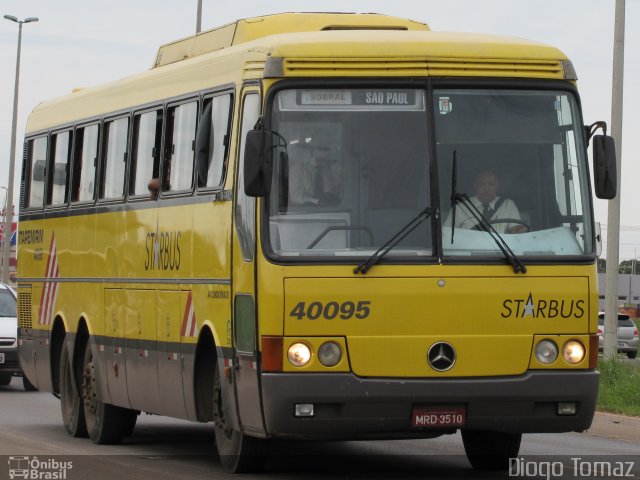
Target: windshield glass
[(350, 170), (7, 304), (520, 162)]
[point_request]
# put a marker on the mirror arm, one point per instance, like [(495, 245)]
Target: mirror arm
[(590, 130)]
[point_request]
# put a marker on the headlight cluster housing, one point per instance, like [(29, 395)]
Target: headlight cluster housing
[(547, 351), (329, 354)]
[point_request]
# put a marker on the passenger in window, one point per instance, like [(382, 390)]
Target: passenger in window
[(314, 177), (154, 188), (493, 208)]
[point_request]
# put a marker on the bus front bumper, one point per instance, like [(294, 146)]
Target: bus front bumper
[(347, 406)]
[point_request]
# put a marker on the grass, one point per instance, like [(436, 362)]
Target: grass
[(619, 387)]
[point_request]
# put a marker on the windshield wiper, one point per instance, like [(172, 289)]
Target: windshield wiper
[(393, 241), (518, 266)]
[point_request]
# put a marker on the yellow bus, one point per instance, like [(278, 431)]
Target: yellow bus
[(279, 228)]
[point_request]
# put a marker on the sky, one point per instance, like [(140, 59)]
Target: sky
[(82, 44)]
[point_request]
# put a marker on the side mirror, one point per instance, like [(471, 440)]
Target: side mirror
[(257, 163), (604, 167)]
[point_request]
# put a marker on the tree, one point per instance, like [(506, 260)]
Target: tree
[(629, 267)]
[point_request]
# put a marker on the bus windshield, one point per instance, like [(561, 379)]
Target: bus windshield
[(353, 166)]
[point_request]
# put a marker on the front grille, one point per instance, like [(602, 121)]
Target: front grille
[(24, 308), (7, 342)]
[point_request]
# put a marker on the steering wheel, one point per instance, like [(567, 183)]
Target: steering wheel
[(517, 221)]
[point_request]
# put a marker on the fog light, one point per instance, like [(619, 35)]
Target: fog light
[(546, 352), (573, 352), (566, 408), (299, 354), (329, 354), (304, 410)]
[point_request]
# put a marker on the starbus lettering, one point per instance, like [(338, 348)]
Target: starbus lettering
[(163, 250), (552, 308)]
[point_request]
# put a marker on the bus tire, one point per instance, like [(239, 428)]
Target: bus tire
[(106, 423), (71, 405), (239, 453), (488, 450)]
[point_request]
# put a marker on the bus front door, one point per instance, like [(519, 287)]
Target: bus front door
[(246, 373)]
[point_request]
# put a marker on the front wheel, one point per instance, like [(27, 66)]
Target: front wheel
[(5, 379), (632, 355), (106, 423), (487, 450), (239, 453)]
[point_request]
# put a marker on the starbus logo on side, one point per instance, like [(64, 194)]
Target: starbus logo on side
[(162, 250), (552, 308)]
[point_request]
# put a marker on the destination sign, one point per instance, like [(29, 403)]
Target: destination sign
[(360, 97)]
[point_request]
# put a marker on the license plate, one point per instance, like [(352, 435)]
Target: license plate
[(1, 357), (438, 417)]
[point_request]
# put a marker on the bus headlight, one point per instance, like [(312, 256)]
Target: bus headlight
[(329, 354), (573, 352), (546, 352), (299, 354)]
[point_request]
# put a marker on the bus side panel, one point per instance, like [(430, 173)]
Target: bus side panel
[(41, 353), (169, 358), (140, 347), (114, 358)]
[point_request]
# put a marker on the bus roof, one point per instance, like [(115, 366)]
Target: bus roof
[(347, 48)]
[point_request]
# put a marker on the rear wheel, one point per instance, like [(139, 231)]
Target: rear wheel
[(239, 453), (5, 379), (632, 355), (70, 401), (487, 450), (106, 423)]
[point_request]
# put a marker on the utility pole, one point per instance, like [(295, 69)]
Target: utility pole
[(199, 17), (613, 222)]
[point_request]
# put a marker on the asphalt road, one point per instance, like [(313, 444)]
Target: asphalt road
[(163, 448)]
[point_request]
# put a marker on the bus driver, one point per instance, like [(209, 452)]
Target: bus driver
[(491, 206)]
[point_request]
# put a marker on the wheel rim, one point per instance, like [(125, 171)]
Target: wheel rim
[(89, 394)]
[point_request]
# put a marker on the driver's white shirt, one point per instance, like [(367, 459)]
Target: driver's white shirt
[(464, 218)]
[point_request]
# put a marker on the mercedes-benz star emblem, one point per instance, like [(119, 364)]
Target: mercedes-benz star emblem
[(441, 356)]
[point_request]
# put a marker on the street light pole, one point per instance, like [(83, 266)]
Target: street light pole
[(8, 217)]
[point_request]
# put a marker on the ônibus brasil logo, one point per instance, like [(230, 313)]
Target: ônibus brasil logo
[(32, 468)]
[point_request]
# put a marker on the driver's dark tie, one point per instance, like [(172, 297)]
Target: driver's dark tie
[(487, 211)]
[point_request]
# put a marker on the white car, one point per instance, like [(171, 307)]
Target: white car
[(627, 334), (9, 364)]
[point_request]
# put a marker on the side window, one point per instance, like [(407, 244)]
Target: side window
[(147, 134), (115, 157), (246, 206), (180, 146), (212, 141), (84, 163), (59, 167), (37, 159)]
